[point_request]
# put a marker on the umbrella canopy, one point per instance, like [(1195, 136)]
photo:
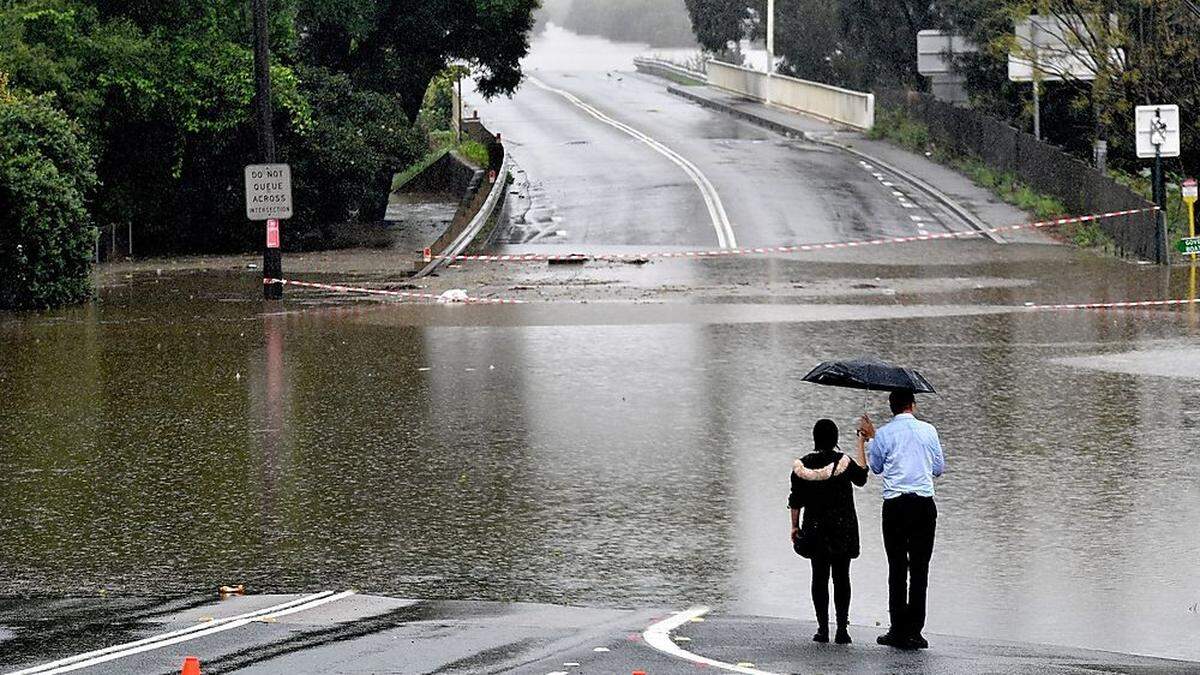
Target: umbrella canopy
[(869, 374)]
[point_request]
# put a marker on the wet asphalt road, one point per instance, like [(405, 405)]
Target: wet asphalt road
[(361, 634), (583, 184)]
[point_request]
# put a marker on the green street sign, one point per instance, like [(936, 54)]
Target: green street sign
[(1188, 245)]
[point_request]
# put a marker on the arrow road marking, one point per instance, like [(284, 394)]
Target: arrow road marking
[(716, 209), (659, 637)]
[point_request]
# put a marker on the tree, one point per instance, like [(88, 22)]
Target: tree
[(46, 234), (397, 47)]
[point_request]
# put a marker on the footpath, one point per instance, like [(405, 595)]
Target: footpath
[(970, 202), (352, 633)]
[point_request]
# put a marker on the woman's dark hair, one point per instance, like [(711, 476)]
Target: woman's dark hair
[(825, 435), (902, 400)]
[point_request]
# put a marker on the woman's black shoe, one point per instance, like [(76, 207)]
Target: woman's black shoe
[(843, 636), (822, 634), (892, 640)]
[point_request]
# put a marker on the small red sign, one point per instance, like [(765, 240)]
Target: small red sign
[(272, 234), (428, 254)]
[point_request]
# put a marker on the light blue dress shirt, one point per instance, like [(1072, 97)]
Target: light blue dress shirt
[(907, 454)]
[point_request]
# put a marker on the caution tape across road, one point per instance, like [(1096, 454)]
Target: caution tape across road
[(404, 295), (784, 249)]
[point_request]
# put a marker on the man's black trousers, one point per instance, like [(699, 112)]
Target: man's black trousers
[(909, 523)]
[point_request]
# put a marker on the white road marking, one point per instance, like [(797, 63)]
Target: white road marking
[(658, 636), (115, 652), (917, 219), (716, 209)]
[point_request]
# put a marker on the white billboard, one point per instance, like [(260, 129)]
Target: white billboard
[(936, 50), (1053, 42)]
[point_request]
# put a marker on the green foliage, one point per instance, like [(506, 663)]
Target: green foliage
[(475, 151), (437, 109), (901, 129), (343, 166), (46, 235), (398, 48), (163, 90)]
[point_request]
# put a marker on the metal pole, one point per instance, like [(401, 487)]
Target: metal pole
[(1160, 198), (770, 47), (272, 258), (1037, 110)]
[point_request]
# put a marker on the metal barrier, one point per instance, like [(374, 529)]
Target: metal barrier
[(667, 69), (851, 108), (1044, 167)]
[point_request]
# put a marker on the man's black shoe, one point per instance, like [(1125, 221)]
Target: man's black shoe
[(822, 635), (917, 642), (892, 640), (843, 636)]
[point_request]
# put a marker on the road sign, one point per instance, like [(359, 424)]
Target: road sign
[(936, 51), (1157, 131), (1188, 245), (268, 191), (272, 233), (1049, 42)]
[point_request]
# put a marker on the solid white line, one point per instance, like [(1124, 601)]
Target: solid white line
[(184, 635), (163, 636), (659, 637), (712, 200)]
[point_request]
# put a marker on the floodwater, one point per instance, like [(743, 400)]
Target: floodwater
[(174, 437)]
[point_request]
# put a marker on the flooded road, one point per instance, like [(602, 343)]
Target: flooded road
[(173, 438)]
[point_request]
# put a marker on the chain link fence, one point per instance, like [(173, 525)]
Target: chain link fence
[(1044, 167)]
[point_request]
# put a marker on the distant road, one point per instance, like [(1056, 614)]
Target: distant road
[(590, 182)]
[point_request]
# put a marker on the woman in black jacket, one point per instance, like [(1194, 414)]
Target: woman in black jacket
[(821, 488)]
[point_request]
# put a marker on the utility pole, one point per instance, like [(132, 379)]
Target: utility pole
[(272, 258), (770, 47)]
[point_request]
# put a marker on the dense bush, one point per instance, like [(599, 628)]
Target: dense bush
[(342, 166), (46, 175)]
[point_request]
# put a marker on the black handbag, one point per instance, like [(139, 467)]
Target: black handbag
[(805, 543)]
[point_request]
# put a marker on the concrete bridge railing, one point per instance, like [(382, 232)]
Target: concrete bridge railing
[(843, 106)]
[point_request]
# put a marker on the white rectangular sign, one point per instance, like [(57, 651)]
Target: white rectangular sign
[(268, 192), (1157, 131), (1052, 41), (936, 50)]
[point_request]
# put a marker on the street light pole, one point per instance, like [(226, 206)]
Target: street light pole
[(770, 47), (272, 258)]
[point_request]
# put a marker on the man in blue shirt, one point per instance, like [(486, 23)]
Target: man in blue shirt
[(907, 454)]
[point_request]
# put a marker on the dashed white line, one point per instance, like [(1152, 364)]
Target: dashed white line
[(658, 636), (712, 200)]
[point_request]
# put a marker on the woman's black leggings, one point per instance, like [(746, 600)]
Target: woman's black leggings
[(821, 569)]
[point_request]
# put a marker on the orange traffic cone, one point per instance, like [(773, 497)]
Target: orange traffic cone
[(191, 666)]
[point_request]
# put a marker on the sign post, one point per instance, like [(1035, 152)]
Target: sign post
[(1190, 193), (269, 198), (1158, 136)]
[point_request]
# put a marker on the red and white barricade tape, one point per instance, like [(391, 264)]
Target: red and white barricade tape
[(406, 295), (792, 248), (1135, 304)]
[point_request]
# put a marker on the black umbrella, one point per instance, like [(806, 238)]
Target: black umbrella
[(869, 374)]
